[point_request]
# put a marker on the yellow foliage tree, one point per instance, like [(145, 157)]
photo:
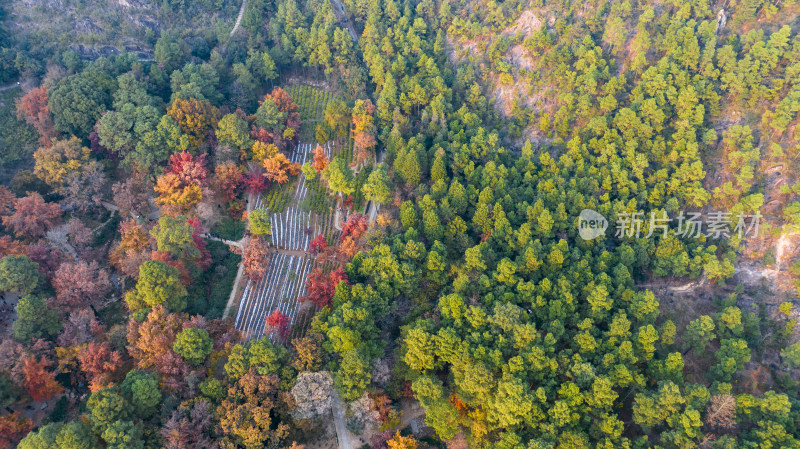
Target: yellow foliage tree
[(263, 151), (195, 117), (400, 442), (54, 163)]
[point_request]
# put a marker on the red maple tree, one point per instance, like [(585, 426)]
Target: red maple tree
[(261, 134), (278, 322), (318, 245), (255, 183), (188, 168), (80, 284), (33, 216), (355, 226), (197, 235), (320, 287), (46, 255)]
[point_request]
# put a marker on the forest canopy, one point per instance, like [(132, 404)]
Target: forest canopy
[(360, 221)]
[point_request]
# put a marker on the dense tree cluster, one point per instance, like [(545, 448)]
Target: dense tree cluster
[(470, 292)]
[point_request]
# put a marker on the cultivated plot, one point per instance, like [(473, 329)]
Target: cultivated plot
[(293, 229)]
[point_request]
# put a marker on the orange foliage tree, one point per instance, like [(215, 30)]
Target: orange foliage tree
[(320, 161), (363, 129), (11, 247), (255, 258), (40, 383), (278, 168), (13, 428), (150, 345), (181, 187), (99, 362), (276, 120), (287, 105), (134, 248), (228, 179)]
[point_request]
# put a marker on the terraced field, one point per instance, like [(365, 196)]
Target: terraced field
[(289, 263)]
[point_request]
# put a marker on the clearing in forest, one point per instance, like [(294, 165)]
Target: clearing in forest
[(294, 225)]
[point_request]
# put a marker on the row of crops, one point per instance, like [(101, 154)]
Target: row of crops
[(276, 198), (292, 229), (347, 149), (310, 101), (280, 289)]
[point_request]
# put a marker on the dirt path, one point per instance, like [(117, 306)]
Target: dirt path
[(338, 9), (239, 18), (240, 271), (338, 411), (10, 86), (679, 288), (239, 243)]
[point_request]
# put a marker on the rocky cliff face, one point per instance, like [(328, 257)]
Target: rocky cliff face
[(92, 28)]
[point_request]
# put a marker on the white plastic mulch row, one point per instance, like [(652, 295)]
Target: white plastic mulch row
[(294, 228), (280, 289)]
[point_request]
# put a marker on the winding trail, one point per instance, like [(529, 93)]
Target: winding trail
[(10, 86), (239, 18)]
